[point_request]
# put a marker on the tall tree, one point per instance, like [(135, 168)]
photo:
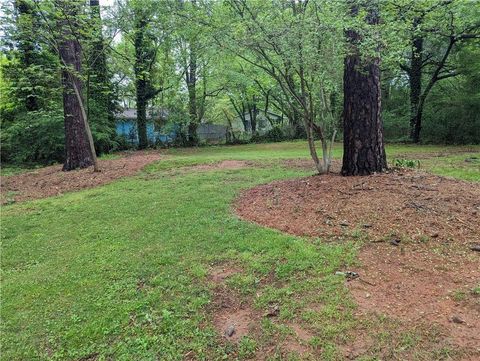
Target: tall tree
[(143, 61), (435, 30), (79, 149), (191, 81), (26, 45), (292, 42), (195, 48), (146, 43), (100, 102), (363, 145), (146, 31)]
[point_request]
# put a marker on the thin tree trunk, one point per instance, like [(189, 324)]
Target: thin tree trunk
[(79, 153), (98, 82), (191, 78), (87, 129), (142, 114), (415, 75), (417, 127), (253, 115), (240, 112), (294, 120), (141, 84), (364, 151), (311, 146), (27, 47), (230, 131)]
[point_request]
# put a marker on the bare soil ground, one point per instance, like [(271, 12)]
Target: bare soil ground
[(419, 234), (226, 164), (51, 181), (234, 317)]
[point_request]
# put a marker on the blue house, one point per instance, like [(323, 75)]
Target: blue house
[(126, 126)]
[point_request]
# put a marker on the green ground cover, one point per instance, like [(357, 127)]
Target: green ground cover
[(121, 271)]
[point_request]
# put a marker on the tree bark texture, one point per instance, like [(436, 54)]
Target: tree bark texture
[(99, 89), (415, 75), (191, 80), (27, 48), (141, 89), (253, 111), (141, 85), (77, 147), (363, 144)]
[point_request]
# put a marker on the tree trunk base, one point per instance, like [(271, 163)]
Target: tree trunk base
[(72, 165)]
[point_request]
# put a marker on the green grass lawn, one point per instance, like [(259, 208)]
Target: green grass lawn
[(72, 265)]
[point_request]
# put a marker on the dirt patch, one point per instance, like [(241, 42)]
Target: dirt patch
[(308, 165), (438, 154), (235, 317), (289, 346), (234, 324), (357, 347), (419, 230), (51, 181), (413, 205), (300, 333), (419, 285), (220, 274), (226, 164), (298, 343), (232, 318)]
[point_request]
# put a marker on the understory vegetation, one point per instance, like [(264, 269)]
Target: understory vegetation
[(265, 71), (131, 280)]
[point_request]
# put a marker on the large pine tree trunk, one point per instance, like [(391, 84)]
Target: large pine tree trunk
[(364, 151), (78, 152)]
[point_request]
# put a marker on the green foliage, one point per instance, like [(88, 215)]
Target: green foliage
[(276, 134), (34, 137), (476, 291), (406, 163), (31, 91), (448, 84), (247, 348), (251, 57), (452, 112), (103, 131), (38, 137)]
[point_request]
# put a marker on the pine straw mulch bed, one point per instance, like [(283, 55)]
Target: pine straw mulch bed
[(420, 237), (51, 181)]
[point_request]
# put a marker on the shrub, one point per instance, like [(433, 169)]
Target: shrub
[(38, 137), (34, 137), (276, 134), (406, 163)]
